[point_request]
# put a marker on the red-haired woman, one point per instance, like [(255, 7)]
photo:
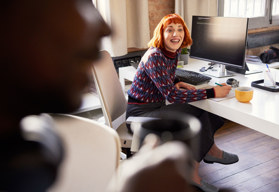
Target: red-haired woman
[(155, 83)]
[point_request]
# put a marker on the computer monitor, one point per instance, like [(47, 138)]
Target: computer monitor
[(220, 40)]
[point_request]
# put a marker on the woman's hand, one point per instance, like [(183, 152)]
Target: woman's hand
[(183, 85), (222, 91)]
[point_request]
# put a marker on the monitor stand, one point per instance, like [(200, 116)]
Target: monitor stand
[(221, 71), (245, 71)]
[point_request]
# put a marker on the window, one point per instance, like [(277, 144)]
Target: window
[(275, 8), (262, 13), (94, 2)]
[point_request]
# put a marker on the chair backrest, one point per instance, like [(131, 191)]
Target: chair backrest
[(92, 154), (110, 91)]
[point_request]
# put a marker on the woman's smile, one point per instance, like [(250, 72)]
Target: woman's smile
[(173, 36)]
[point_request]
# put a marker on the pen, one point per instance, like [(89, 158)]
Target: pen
[(267, 67), (219, 84)]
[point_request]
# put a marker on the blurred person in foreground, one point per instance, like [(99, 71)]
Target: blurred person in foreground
[(47, 48)]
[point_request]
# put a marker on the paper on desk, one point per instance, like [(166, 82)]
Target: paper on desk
[(229, 96)]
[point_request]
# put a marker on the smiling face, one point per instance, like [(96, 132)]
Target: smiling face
[(49, 48), (171, 33), (173, 36)]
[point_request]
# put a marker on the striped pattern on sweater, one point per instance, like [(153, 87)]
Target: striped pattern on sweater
[(154, 80)]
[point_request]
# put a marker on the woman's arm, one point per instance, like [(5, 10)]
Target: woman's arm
[(182, 85), (157, 71)]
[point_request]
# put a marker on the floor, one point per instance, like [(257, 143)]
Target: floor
[(258, 168)]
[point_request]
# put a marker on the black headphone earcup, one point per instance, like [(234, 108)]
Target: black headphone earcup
[(33, 156)]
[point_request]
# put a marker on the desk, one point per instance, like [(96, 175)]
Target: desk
[(261, 114)]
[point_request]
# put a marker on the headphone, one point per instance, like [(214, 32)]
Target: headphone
[(30, 158)]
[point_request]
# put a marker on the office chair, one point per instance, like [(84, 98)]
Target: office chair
[(113, 100), (91, 154)]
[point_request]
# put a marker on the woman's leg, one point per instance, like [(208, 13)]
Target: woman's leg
[(210, 123), (215, 151), (195, 176)]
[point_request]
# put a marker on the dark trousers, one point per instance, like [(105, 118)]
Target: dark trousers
[(210, 122)]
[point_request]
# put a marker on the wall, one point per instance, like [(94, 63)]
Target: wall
[(157, 10)]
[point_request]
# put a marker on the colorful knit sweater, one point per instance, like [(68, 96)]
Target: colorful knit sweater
[(155, 79)]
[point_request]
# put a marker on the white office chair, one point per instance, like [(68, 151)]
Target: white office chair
[(112, 98), (91, 154)]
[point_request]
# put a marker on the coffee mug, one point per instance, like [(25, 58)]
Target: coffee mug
[(244, 94), (173, 127)]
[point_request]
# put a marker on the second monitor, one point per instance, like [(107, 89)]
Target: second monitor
[(220, 40)]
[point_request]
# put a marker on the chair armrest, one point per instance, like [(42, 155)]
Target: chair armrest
[(135, 122), (139, 119)]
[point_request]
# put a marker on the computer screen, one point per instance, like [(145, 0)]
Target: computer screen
[(220, 40)]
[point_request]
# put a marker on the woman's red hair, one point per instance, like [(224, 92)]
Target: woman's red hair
[(158, 40)]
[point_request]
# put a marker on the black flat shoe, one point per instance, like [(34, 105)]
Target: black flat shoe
[(227, 158)]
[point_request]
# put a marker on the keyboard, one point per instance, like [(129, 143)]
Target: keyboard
[(191, 77)]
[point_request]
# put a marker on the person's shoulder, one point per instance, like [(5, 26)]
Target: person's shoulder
[(153, 52), (153, 55)]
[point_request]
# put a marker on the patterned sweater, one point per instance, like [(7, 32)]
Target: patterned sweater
[(155, 79)]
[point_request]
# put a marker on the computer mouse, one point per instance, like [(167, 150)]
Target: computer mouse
[(230, 80), (233, 82)]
